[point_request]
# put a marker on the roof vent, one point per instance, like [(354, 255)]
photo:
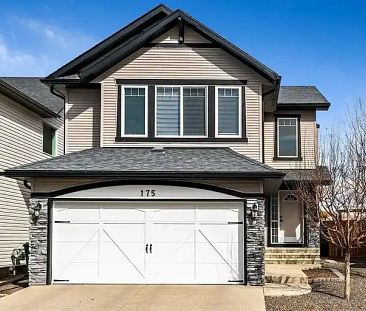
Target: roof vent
[(158, 149)]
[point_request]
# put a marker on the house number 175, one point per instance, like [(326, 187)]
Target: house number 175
[(147, 193)]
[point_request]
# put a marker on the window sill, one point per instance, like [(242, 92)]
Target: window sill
[(287, 159), (181, 139)]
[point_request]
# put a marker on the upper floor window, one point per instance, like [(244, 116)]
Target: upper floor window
[(181, 111), (49, 140), (228, 111), (287, 137), (134, 111)]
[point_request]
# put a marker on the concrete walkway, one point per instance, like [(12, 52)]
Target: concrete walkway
[(135, 297)]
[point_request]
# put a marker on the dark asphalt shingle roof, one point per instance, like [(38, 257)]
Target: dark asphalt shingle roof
[(145, 161), (301, 95), (33, 88)]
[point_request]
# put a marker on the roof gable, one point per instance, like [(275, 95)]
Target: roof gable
[(108, 56), (111, 42)]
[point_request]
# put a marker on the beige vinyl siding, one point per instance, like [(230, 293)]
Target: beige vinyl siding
[(308, 141), (20, 143), (172, 36), (82, 119), (183, 63), (48, 184)]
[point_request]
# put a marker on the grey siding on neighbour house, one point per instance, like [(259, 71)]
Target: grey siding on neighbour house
[(21, 143)]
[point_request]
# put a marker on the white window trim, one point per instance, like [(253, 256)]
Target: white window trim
[(123, 110), (181, 121), (217, 134), (278, 137)]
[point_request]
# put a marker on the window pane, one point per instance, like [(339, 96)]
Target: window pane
[(287, 139), (48, 139), (228, 111), (194, 111), (134, 111), (168, 112)]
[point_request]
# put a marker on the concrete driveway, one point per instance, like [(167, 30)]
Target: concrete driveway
[(135, 297)]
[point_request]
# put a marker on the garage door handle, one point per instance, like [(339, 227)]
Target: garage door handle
[(146, 248), (150, 248)]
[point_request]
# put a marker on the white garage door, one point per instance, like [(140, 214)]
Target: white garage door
[(147, 242)]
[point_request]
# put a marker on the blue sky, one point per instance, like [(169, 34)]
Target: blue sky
[(308, 42)]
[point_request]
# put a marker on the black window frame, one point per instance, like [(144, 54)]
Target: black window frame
[(299, 154), (211, 103)]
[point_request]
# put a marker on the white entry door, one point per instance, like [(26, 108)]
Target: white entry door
[(148, 242)]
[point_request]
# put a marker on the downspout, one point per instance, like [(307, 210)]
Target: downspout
[(60, 95)]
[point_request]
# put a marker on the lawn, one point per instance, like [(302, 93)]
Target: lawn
[(326, 296)]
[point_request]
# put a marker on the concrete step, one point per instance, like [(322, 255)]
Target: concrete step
[(290, 255), (271, 289), (286, 279), (292, 261), (292, 250)]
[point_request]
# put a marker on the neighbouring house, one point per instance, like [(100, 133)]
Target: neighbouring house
[(31, 129), (180, 150)]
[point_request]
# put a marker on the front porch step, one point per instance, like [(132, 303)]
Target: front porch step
[(292, 250), (293, 255)]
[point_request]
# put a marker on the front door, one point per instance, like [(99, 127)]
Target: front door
[(291, 218)]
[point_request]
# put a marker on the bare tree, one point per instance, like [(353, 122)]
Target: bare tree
[(334, 192)]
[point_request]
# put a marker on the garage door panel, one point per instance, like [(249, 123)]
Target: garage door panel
[(123, 232), (172, 252), (171, 232), (118, 252), (170, 273), (220, 233), (171, 215), (125, 214), (218, 214), (217, 273), (76, 272), (76, 252), (75, 232), (219, 253), (114, 272)]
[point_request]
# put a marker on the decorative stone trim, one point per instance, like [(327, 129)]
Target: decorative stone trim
[(313, 235), (37, 267), (255, 246)]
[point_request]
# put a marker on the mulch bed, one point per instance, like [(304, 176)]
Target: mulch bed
[(326, 296), (320, 273)]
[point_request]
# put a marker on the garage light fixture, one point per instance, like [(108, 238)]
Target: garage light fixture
[(35, 211)]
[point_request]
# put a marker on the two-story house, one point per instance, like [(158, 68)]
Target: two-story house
[(31, 129), (179, 151)]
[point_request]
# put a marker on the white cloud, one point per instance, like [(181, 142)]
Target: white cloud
[(37, 48)]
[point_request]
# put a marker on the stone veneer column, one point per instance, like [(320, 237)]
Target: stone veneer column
[(37, 267), (255, 242), (313, 235)]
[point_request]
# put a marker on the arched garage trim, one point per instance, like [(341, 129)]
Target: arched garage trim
[(103, 184)]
